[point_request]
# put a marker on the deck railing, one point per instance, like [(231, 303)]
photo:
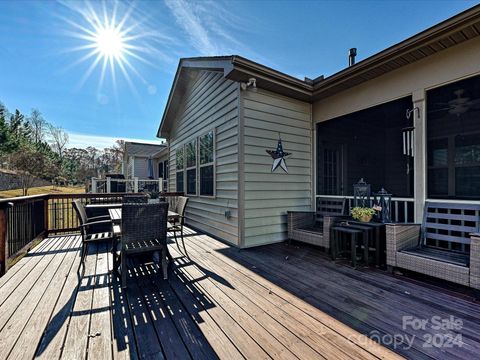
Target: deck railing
[(27, 219), (402, 208), (109, 185)]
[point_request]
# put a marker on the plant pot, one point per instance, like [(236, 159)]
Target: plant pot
[(366, 218), (153, 201)]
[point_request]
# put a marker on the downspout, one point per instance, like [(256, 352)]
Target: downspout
[(241, 168), (313, 132)]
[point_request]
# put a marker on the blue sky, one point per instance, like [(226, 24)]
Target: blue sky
[(41, 48)]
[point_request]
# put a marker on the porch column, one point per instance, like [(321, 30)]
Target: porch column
[(420, 187)]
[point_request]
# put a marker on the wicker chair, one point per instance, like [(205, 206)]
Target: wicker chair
[(175, 225), (144, 229), (446, 245), (135, 199), (313, 227), (89, 229)]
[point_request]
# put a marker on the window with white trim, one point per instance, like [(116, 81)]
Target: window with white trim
[(179, 158), (191, 171), (207, 164)]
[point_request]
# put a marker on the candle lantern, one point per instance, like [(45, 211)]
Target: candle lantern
[(361, 194), (384, 200)]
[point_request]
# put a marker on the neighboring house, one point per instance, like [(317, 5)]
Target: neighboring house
[(338, 129), (137, 155)]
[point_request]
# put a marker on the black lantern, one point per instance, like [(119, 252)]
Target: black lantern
[(361, 194), (384, 200)]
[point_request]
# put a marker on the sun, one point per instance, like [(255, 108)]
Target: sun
[(110, 43)]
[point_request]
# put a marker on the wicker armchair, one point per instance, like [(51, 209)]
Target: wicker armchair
[(175, 225), (441, 246), (144, 229), (313, 227)]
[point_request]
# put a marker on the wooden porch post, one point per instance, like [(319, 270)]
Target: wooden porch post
[(3, 240), (420, 187)]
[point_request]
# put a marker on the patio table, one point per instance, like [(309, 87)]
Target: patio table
[(116, 215), (93, 210), (380, 240), (368, 229)]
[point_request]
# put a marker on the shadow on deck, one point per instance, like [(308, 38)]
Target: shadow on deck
[(276, 301)]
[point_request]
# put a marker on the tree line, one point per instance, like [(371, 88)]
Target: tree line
[(36, 148)]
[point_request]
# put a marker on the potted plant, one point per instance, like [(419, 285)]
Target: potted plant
[(363, 214), (153, 197)]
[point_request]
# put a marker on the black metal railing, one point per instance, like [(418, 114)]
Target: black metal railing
[(26, 219)]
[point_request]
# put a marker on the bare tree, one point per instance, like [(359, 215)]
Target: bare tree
[(38, 124), (58, 139), (30, 164)]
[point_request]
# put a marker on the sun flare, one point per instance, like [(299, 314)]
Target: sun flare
[(110, 43)]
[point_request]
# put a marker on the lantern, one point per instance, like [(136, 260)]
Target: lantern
[(384, 200), (361, 194)]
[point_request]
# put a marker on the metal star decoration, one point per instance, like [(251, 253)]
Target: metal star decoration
[(278, 157)]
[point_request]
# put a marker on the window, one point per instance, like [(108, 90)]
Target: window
[(161, 170), (179, 169), (365, 144), (453, 140), (207, 158), (191, 155)]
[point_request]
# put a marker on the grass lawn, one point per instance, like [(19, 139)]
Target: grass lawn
[(43, 190)]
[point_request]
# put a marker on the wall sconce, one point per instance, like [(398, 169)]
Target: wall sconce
[(252, 82)]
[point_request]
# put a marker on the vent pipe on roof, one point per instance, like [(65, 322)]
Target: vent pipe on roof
[(351, 56)]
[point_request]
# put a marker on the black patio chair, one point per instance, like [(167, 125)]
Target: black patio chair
[(144, 229), (135, 199), (92, 229), (175, 225)]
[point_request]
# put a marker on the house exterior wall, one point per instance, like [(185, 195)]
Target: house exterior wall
[(211, 103), (140, 167), (414, 80), (268, 196), (446, 66)]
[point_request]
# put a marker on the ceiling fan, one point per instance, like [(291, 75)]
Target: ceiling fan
[(459, 105)]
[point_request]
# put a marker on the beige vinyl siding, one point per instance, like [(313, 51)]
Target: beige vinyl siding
[(449, 65), (268, 196), (211, 104), (140, 167)]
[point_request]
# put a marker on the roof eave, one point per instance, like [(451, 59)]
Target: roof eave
[(430, 35)]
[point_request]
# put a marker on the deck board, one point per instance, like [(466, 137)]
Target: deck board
[(276, 301)]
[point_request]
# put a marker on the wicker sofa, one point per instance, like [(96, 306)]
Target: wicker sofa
[(313, 227), (446, 245)]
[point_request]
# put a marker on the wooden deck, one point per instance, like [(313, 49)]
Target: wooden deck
[(277, 301)]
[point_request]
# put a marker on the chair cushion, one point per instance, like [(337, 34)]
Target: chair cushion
[(446, 256), (316, 228)]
